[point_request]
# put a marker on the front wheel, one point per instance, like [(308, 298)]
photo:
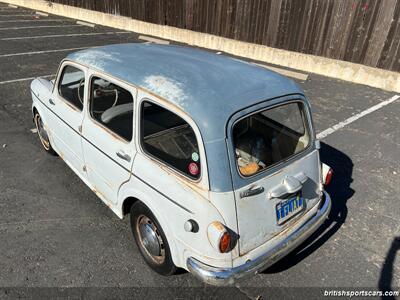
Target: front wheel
[(42, 133), (151, 240)]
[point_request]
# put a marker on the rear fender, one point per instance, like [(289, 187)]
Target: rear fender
[(126, 192)]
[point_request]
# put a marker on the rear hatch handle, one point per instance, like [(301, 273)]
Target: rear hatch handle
[(289, 185), (252, 191)]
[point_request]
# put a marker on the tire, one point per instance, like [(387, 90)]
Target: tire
[(43, 136), (144, 222)]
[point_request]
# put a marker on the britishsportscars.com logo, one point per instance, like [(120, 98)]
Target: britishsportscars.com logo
[(360, 293)]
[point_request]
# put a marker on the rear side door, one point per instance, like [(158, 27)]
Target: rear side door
[(67, 105), (108, 135), (274, 168)]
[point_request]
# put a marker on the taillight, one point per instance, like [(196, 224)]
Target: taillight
[(225, 242), (219, 237), (328, 177), (327, 174)]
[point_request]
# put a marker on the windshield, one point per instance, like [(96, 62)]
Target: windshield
[(268, 137)]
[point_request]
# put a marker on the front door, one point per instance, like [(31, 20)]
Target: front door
[(108, 135), (275, 170), (67, 105)]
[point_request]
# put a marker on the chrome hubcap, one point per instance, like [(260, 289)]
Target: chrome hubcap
[(150, 239), (42, 132)]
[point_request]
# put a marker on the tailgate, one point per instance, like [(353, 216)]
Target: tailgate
[(275, 170)]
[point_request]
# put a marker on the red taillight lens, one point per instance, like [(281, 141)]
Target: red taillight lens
[(225, 242), (328, 177)]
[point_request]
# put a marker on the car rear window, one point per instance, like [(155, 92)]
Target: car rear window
[(268, 137), (170, 139)]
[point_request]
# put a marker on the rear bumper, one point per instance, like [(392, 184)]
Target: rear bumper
[(222, 276)]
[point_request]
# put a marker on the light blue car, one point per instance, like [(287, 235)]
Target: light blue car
[(215, 159)]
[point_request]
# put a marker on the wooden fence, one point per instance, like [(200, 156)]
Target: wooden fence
[(359, 31)]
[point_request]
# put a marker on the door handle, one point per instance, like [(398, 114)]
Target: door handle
[(51, 102), (254, 190), (121, 154)]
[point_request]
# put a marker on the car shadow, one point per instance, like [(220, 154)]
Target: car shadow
[(386, 277), (340, 191)]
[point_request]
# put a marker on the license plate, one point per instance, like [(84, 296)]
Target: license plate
[(289, 208)]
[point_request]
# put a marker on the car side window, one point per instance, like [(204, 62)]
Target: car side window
[(112, 107), (72, 86), (169, 138)]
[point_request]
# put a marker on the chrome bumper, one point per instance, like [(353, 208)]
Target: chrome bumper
[(220, 276)]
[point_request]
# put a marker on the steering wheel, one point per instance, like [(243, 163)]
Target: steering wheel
[(79, 89), (106, 92)]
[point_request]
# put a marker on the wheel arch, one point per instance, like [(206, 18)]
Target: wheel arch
[(131, 197), (127, 204), (37, 109)]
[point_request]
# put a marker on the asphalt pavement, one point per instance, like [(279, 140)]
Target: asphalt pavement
[(55, 232)]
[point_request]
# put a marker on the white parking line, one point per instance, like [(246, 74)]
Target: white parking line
[(153, 40), (8, 9), (41, 52), (25, 79), (297, 75), (26, 15), (42, 14), (64, 35), (85, 23), (14, 11), (40, 26), (346, 122), (35, 20)]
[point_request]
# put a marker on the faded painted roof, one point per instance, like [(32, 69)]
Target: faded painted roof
[(208, 87)]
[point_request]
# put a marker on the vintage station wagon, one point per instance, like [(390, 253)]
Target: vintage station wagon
[(215, 159)]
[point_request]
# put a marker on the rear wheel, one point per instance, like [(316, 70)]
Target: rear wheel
[(151, 240), (43, 136)]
